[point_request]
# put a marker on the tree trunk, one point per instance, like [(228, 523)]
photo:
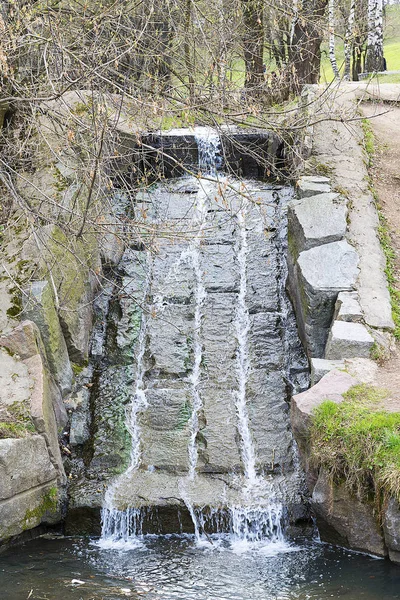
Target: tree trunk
[(332, 54), (187, 51), (306, 45), (374, 58), (348, 42), (253, 42)]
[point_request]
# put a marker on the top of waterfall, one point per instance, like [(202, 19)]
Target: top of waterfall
[(198, 131)]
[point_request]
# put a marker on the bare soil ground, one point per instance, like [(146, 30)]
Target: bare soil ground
[(385, 173)]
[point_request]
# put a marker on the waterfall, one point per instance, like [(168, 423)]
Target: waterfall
[(182, 387), (123, 526), (200, 295), (243, 365), (209, 145)]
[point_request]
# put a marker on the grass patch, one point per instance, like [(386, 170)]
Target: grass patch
[(358, 443)]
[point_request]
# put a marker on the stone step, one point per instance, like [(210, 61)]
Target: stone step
[(321, 366), (348, 340), (348, 308), (316, 220)]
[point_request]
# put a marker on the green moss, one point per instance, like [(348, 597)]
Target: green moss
[(358, 443), (60, 182), (184, 415), (14, 430), (323, 169), (16, 303), (77, 369), (48, 504)]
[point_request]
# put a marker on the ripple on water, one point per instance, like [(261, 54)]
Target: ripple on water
[(174, 568)]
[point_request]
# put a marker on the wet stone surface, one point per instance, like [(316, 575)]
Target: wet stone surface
[(186, 294)]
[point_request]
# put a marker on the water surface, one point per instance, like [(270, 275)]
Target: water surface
[(174, 568)]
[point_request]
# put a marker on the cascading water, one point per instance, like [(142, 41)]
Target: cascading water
[(243, 365), (200, 295), (209, 146), (124, 526), (208, 275)]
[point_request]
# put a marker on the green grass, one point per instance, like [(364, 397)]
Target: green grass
[(358, 443)]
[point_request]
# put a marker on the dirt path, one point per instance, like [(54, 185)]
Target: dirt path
[(385, 123)]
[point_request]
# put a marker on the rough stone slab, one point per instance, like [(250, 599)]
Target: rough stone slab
[(331, 387), (111, 245), (169, 335), (23, 340), (39, 307), (330, 267), (348, 340), (73, 265), (24, 464), (373, 290), (27, 510), (321, 273), (315, 179), (80, 419), (45, 403), (342, 519), (391, 529), (321, 366), (316, 220), (348, 308), (15, 382), (310, 188), (218, 266)]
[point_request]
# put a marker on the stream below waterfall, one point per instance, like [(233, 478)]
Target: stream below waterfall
[(174, 568)]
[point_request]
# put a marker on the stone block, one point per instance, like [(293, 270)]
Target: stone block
[(28, 510), (39, 307), (321, 273), (348, 340), (391, 529), (315, 179), (321, 366), (316, 220), (344, 520), (348, 308), (23, 340), (24, 464), (80, 420), (73, 266), (45, 405), (331, 387), (310, 188), (15, 382)]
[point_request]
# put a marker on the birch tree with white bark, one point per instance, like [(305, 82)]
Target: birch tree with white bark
[(374, 60), (332, 53), (348, 40)]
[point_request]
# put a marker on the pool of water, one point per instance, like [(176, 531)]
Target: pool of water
[(175, 568)]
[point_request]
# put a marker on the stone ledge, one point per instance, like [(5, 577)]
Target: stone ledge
[(316, 220), (348, 340)]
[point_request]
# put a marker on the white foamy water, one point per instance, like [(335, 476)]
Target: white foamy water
[(200, 296), (242, 324)]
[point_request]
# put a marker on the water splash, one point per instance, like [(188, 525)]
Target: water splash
[(258, 528)]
